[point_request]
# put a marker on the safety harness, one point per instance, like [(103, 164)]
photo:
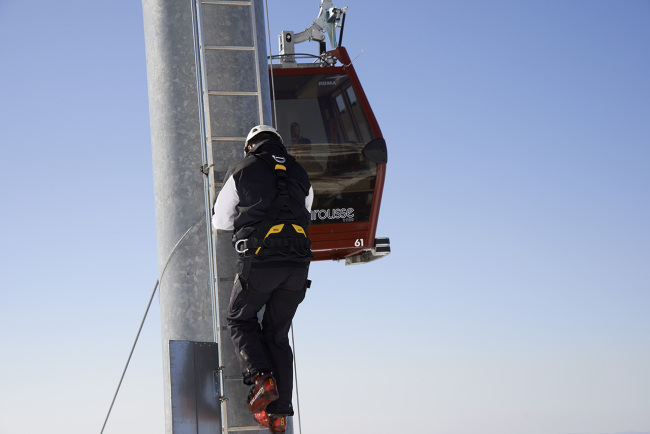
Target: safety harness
[(274, 236)]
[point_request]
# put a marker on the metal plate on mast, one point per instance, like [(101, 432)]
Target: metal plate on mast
[(195, 402)]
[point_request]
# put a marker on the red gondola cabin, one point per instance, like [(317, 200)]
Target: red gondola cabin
[(328, 126)]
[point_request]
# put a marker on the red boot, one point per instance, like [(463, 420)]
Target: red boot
[(263, 392), (274, 422)]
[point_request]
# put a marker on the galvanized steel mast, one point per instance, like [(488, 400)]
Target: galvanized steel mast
[(206, 67)]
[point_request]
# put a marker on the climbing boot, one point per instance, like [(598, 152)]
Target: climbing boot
[(263, 392), (274, 422)]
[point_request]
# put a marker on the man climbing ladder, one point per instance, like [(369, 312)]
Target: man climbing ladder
[(266, 200)]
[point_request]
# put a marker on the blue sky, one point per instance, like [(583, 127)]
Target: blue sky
[(517, 201)]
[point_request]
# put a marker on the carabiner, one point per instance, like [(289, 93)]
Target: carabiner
[(237, 246)]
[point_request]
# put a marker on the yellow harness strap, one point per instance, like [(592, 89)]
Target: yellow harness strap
[(274, 230)]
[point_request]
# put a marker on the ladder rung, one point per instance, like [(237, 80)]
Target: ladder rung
[(246, 428), (229, 48), (230, 93), (234, 378), (226, 2), (228, 139)]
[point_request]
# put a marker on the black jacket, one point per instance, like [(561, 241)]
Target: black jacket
[(251, 188)]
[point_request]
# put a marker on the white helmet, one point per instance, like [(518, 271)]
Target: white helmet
[(259, 129)]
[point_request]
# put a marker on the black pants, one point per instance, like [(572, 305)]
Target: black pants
[(266, 348)]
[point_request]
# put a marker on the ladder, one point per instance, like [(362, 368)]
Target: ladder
[(229, 78)]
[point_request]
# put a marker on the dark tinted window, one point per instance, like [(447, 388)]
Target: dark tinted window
[(325, 129)]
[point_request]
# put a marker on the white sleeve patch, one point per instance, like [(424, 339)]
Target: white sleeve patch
[(309, 200), (225, 208)]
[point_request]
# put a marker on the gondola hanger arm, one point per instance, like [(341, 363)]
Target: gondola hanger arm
[(326, 23), (327, 20), (313, 33)]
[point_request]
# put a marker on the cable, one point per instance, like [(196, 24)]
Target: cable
[(296, 55), (169, 258), (275, 120), (130, 354), (137, 336), (268, 32), (295, 374)]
